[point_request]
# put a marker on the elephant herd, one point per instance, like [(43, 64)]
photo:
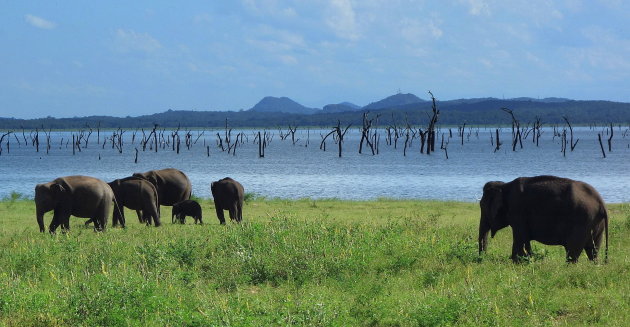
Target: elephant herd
[(89, 197), (548, 209)]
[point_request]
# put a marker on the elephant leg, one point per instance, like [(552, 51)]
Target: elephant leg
[(65, 226), (56, 221), (575, 244), (146, 218), (239, 212), (220, 215), (591, 250), (528, 248), (518, 246), (97, 225), (140, 216), (156, 218), (119, 217), (122, 219), (232, 212), (594, 242)]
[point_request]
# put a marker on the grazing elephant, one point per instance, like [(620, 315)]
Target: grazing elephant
[(186, 208), (228, 195), (172, 185), (136, 194), (547, 209), (79, 196)]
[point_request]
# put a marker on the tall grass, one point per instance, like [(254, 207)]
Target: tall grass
[(304, 263)]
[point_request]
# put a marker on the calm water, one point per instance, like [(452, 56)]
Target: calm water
[(305, 171)]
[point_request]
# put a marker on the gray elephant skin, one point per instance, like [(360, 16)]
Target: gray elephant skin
[(228, 195), (79, 196), (136, 194), (187, 208), (547, 209), (172, 185)]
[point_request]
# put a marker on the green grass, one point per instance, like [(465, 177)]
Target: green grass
[(303, 263)]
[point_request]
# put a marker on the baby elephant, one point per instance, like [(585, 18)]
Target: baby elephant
[(186, 208), (228, 195)]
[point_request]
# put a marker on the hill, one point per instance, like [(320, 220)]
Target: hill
[(341, 107), (395, 100), (282, 104)]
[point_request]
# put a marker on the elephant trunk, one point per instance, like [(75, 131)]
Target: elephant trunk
[(484, 229), (40, 217)]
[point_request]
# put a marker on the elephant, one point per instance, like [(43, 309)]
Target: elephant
[(186, 208), (136, 194), (548, 209), (228, 195), (172, 185), (79, 196)]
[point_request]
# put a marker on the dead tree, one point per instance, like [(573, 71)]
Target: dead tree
[(36, 140), (599, 136), (461, 132), (365, 133), (563, 143), (392, 130), (338, 134), (610, 138), (261, 140), (7, 135), (571, 143), (516, 130), (538, 131), (444, 146), (497, 141), (431, 128), (423, 139), (292, 130)]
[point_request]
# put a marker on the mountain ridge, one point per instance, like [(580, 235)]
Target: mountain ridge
[(481, 111)]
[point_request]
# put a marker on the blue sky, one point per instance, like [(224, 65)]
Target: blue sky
[(119, 58)]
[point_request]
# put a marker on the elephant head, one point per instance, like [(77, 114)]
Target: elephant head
[(150, 176), (493, 212), (47, 197)]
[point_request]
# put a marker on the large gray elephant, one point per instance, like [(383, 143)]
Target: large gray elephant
[(136, 194), (172, 185), (228, 195), (79, 196), (547, 209)]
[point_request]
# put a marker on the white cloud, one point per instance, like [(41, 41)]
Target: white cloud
[(288, 60), (128, 40), (39, 22), (269, 8), (416, 31), (477, 7), (342, 20), (202, 18)]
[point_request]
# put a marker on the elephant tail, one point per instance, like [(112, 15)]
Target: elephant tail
[(117, 207), (606, 231)]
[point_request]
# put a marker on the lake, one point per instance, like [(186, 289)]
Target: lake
[(304, 171)]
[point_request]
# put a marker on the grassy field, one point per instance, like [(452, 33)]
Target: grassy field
[(303, 263)]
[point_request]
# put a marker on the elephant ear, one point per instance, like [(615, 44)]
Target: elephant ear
[(57, 188)]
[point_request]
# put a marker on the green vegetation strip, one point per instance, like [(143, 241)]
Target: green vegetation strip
[(303, 263)]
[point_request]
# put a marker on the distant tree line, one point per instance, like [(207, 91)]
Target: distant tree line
[(478, 113)]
